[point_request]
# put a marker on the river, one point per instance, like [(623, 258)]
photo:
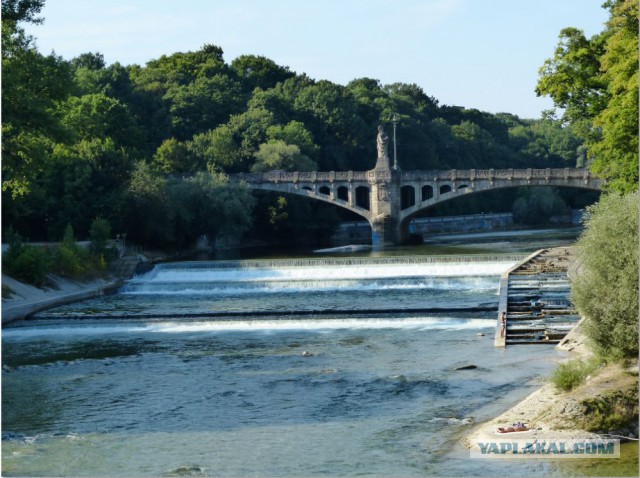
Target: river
[(307, 367)]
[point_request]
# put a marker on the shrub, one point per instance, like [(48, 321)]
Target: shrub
[(25, 263), (70, 259), (605, 290), (568, 375)]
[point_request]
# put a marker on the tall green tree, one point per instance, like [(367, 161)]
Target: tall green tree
[(616, 154), (32, 85), (595, 81)]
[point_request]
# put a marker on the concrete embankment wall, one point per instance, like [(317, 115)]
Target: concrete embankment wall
[(23, 308)]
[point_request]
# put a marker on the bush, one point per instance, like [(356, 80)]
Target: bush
[(605, 290), (30, 265), (33, 264), (25, 263), (568, 375), (70, 259)]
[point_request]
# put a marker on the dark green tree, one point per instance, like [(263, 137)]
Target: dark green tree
[(259, 72), (149, 214), (208, 204)]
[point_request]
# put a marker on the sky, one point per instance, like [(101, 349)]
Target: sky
[(482, 54)]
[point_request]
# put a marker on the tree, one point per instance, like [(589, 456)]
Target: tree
[(534, 206), (174, 157), (148, 214), (82, 181), (572, 78), (99, 116), (605, 290), (208, 204), (231, 146), (277, 154), (616, 154), (32, 86), (203, 104), (99, 234), (596, 82), (294, 132), (259, 72), (15, 11)]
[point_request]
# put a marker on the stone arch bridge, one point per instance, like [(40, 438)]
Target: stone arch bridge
[(388, 199)]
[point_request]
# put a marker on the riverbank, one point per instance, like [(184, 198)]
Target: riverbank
[(25, 299), (554, 415)]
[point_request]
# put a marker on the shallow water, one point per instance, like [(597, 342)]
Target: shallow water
[(157, 381)]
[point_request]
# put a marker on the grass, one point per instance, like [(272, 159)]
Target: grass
[(616, 411), (569, 375)]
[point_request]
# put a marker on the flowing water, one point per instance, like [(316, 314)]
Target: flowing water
[(293, 368)]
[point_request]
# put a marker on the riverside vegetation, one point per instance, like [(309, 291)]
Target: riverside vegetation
[(605, 292), (595, 81), (34, 265)]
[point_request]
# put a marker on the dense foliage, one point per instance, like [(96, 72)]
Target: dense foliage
[(595, 81), (606, 288), (82, 139)]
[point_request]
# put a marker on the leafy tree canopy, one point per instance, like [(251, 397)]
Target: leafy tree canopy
[(595, 81)]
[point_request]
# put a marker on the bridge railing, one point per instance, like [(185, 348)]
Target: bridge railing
[(475, 174), (433, 175), (301, 176)]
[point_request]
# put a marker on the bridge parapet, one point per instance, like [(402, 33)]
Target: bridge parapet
[(432, 175), (302, 176), (490, 174)]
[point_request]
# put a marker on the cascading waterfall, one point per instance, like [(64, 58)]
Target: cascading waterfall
[(236, 277), (314, 288)]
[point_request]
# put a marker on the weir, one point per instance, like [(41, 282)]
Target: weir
[(339, 261)]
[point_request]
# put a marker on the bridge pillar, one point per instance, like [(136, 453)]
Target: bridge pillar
[(384, 232), (385, 206)]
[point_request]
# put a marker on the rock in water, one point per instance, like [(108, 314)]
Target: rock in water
[(466, 367)]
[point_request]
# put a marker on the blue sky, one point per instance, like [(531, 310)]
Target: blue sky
[(481, 54)]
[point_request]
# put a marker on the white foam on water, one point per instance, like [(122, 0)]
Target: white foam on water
[(212, 326), (448, 269), (292, 286)]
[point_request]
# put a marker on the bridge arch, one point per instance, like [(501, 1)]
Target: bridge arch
[(408, 215), (324, 194)]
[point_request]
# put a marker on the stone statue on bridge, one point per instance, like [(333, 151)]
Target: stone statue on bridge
[(382, 143)]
